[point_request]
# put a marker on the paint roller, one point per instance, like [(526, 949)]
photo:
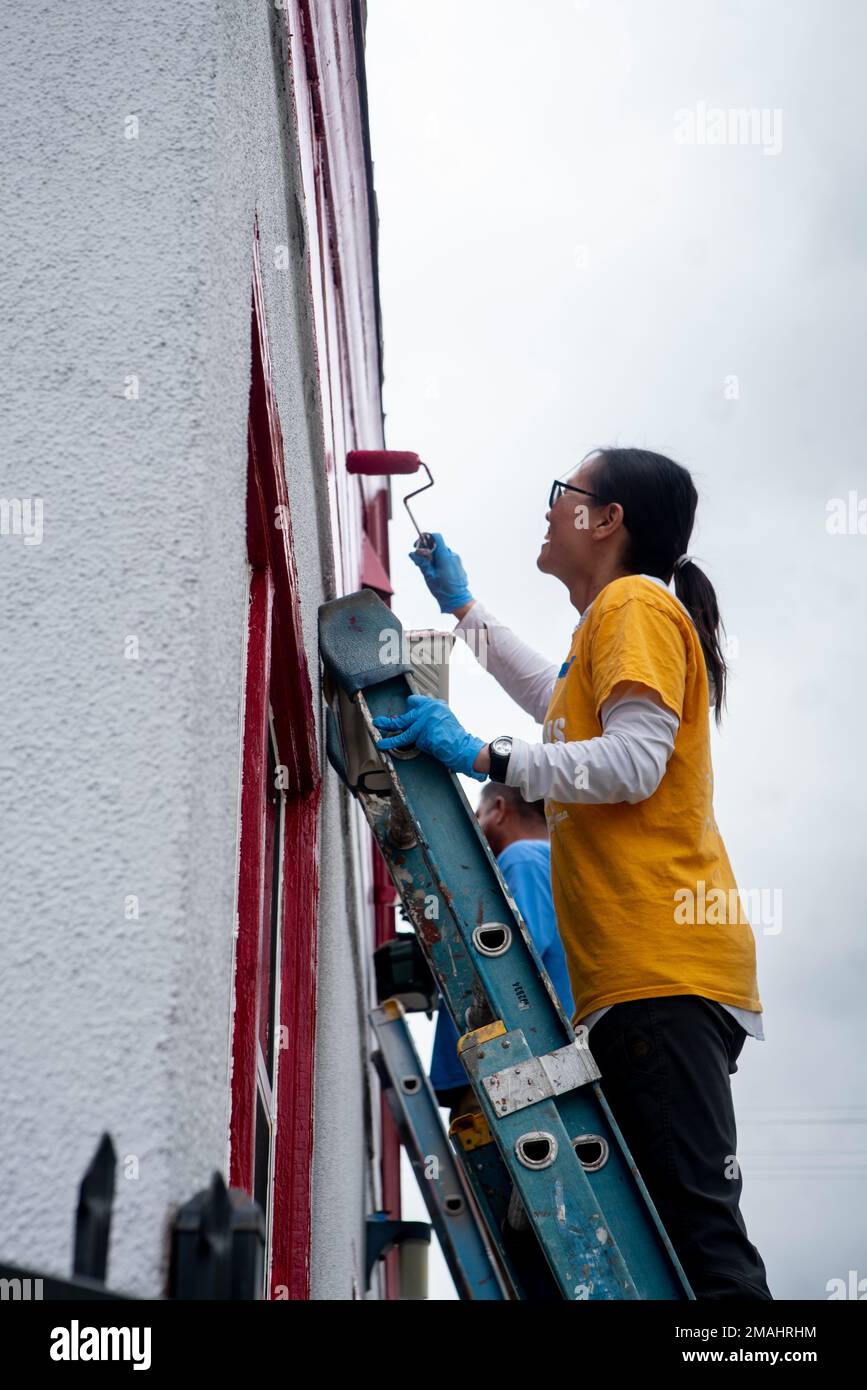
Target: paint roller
[(379, 463)]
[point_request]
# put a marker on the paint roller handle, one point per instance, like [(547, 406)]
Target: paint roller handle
[(425, 545), (443, 573)]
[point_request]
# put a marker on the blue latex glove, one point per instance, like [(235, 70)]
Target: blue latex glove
[(429, 724), (444, 575)]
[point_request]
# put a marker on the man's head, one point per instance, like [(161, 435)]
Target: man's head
[(504, 816)]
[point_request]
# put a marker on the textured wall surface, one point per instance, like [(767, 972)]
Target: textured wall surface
[(129, 258)]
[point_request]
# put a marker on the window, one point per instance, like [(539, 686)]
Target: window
[(271, 1131)]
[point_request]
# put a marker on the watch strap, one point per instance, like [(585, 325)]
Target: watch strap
[(499, 761)]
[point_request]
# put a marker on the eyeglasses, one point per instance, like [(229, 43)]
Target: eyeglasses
[(558, 488)]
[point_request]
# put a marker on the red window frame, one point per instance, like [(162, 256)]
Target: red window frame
[(277, 690)]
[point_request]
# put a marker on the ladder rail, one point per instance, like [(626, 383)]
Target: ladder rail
[(413, 1106)]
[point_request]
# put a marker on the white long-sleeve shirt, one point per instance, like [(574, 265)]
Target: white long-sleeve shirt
[(625, 763)]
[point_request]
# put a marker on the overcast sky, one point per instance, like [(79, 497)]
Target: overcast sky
[(560, 269)]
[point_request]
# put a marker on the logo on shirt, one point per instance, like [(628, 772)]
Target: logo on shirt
[(564, 668)]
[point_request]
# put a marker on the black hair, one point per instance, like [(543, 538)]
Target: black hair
[(527, 810), (659, 499)]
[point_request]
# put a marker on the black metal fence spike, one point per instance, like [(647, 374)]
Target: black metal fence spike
[(93, 1217), (217, 1233)]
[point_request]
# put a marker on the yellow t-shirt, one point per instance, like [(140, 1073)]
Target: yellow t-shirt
[(644, 893)]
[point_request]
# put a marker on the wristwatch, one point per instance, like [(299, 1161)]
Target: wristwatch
[(499, 750)]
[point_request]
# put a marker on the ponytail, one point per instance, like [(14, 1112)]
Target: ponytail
[(698, 597)]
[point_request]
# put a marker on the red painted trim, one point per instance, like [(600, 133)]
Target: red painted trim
[(250, 882), (290, 1269), (277, 671), (373, 572), (293, 717)]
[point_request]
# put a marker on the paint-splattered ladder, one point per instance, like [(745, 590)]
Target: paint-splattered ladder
[(545, 1161)]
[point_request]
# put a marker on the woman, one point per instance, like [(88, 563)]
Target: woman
[(661, 957)]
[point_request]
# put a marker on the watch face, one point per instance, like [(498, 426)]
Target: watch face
[(502, 746)]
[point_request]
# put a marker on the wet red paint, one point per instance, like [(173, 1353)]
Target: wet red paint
[(277, 675)]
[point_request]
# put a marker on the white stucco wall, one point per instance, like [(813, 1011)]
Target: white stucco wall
[(131, 257)]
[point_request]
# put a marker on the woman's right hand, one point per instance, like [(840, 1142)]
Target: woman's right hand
[(444, 575)]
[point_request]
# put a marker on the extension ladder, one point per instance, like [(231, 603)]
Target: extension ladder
[(562, 1203)]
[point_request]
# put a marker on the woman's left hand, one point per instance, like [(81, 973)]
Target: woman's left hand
[(429, 725)]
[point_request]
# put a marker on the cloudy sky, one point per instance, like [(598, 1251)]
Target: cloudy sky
[(578, 246)]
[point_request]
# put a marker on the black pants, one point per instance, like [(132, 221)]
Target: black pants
[(665, 1067)]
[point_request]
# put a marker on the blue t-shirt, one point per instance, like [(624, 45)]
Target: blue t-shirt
[(526, 867)]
